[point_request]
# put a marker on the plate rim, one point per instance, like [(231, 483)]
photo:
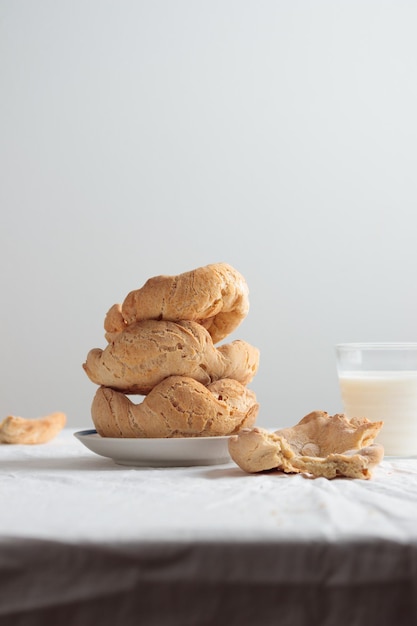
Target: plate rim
[(92, 431)]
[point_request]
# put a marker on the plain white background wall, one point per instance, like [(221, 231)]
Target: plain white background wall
[(149, 137)]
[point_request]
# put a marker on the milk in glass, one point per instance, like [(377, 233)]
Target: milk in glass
[(379, 381), (390, 396)]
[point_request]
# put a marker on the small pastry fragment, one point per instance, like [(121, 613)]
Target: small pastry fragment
[(320, 445), (21, 430), (177, 407)]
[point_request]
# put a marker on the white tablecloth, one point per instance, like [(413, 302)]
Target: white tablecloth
[(83, 540)]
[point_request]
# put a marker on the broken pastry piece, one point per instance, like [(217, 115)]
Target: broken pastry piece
[(31, 431), (320, 445)]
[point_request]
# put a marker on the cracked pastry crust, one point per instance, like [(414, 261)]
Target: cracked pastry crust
[(215, 296), (320, 445), (31, 431), (177, 407), (146, 352)]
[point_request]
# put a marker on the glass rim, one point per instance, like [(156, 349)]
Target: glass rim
[(378, 345)]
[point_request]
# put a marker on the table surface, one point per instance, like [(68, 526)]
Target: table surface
[(62, 497)]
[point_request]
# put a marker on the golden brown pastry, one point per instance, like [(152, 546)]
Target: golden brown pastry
[(177, 407), (31, 431), (320, 444), (215, 295), (146, 352)]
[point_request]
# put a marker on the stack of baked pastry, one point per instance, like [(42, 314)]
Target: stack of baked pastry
[(161, 345)]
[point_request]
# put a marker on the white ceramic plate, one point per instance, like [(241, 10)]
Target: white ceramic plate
[(179, 452)]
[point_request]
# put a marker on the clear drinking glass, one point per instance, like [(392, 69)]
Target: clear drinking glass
[(379, 381)]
